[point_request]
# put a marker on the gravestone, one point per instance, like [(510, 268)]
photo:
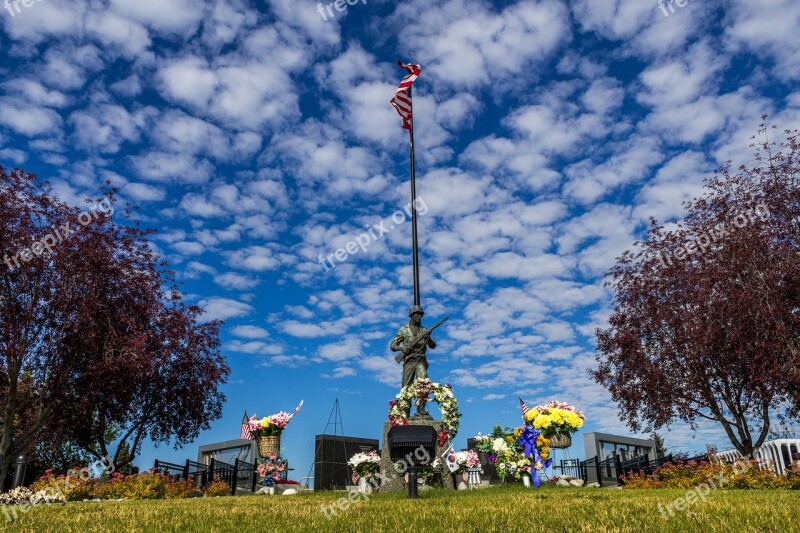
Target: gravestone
[(392, 481)]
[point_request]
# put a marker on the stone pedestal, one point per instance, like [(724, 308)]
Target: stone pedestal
[(393, 481)]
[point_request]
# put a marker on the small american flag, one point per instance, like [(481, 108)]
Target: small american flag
[(523, 406), (402, 96), (245, 433)]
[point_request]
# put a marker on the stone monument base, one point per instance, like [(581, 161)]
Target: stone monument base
[(392, 481)]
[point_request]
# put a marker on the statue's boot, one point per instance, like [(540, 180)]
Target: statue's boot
[(421, 408)]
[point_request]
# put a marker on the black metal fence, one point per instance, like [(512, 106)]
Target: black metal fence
[(221, 470), (244, 476), (173, 470), (612, 471), (197, 470), (240, 475)]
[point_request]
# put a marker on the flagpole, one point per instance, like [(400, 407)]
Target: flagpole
[(414, 242)]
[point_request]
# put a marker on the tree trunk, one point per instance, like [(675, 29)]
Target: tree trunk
[(6, 452)]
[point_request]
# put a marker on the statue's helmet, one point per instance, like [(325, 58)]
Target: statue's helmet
[(415, 309)]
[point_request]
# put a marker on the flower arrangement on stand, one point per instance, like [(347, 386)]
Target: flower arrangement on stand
[(516, 453), (267, 432), (536, 448), (271, 470), (501, 450), (465, 460), (365, 469), (400, 407), (556, 421)]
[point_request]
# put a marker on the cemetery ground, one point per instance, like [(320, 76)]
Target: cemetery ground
[(505, 509)]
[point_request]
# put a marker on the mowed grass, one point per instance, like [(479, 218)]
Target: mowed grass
[(497, 509)]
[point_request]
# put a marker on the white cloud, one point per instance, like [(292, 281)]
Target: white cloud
[(490, 397), (250, 332), (217, 308), (28, 120), (232, 280)]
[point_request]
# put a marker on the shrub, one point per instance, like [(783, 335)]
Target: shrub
[(218, 487), (22, 495), (180, 489), (113, 489), (756, 478), (793, 480), (71, 486), (641, 480), (149, 486), (685, 475)]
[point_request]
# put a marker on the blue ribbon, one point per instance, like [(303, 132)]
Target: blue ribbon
[(528, 441)]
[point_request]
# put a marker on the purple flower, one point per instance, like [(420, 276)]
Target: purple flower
[(491, 457)]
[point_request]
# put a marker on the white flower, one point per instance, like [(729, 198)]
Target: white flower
[(499, 445)]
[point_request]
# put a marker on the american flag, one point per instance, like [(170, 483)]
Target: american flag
[(402, 96), (523, 406), (245, 433)]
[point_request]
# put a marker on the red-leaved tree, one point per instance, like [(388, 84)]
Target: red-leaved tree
[(706, 318), (92, 330)]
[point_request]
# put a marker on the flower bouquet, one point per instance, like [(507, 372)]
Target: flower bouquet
[(429, 470), (519, 452), (556, 421), (267, 432), (271, 469), (465, 460), (501, 450), (365, 468)]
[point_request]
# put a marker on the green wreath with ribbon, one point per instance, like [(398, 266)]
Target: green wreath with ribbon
[(442, 394)]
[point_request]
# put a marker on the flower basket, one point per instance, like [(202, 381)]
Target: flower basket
[(560, 440), (267, 445)]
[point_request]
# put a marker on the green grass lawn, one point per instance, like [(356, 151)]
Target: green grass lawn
[(497, 509)]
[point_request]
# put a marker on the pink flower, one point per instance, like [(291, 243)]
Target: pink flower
[(280, 419)]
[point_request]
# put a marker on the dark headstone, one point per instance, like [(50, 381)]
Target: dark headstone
[(391, 480), (331, 471)]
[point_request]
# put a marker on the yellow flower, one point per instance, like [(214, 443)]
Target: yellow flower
[(541, 421), (265, 422)]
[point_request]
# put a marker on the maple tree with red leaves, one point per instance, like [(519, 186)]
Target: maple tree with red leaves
[(706, 317), (94, 337)]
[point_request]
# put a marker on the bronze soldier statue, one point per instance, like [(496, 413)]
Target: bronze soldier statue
[(413, 340)]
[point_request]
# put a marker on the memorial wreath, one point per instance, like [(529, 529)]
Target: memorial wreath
[(400, 408)]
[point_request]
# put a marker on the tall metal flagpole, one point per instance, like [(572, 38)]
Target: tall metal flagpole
[(414, 242)]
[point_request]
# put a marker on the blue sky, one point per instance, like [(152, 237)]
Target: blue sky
[(257, 136)]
